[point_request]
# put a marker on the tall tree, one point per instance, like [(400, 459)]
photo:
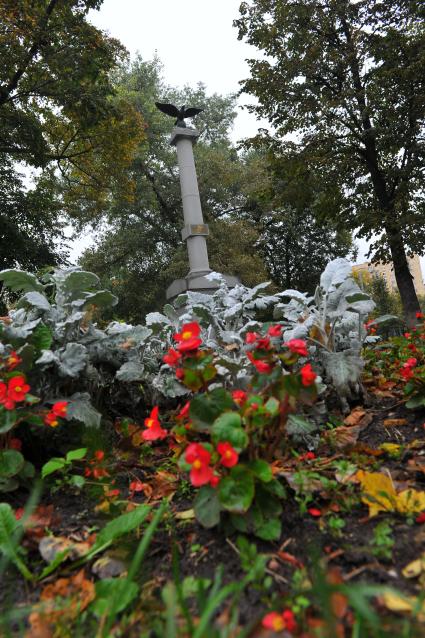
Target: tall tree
[(58, 114), (346, 79)]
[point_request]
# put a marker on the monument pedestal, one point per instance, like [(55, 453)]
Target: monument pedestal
[(198, 284)]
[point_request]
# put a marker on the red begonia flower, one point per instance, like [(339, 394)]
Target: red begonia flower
[(199, 458), (278, 622), (264, 343), (172, 357), (99, 455), (17, 389), (251, 337), (275, 331), (188, 339), (261, 366), (308, 375), (184, 412), (420, 518), (214, 480), (239, 396), (13, 360), (60, 408), (406, 373), (420, 315), (153, 430), (314, 511), (411, 362), (136, 486), (51, 420), (407, 335), (297, 346), (229, 456)]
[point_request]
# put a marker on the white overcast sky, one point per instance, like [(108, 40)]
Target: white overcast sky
[(195, 41)]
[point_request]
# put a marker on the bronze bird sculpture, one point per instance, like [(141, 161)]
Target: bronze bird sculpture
[(179, 113)]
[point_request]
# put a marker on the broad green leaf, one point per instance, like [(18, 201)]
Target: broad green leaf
[(76, 455), (269, 530), (227, 427), (101, 299), (205, 408), (81, 409), (272, 406), (261, 470), (80, 281), (8, 419), (18, 280), (299, 426), (131, 371), (51, 466), (11, 463), (34, 299), (42, 337), (236, 491), (207, 506), (10, 531)]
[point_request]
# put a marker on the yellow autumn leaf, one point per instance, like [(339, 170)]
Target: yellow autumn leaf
[(415, 568), (400, 603), (379, 495)]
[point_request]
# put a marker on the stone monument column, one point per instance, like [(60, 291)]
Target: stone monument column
[(194, 231)]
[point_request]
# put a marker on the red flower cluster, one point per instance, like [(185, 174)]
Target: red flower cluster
[(199, 458), (308, 376), (97, 470), (275, 331), (308, 456), (239, 397), (153, 431), (297, 346), (278, 622), (13, 360), (188, 339), (261, 366), (59, 409), (172, 357), (420, 315), (406, 370), (229, 456), (14, 392)]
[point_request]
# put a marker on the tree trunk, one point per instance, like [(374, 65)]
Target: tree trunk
[(386, 201), (403, 277)]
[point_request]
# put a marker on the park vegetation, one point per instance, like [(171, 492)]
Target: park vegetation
[(241, 464)]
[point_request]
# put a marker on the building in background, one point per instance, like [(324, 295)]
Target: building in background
[(368, 269)]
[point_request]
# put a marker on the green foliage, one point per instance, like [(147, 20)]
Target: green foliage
[(329, 76), (58, 114), (383, 541), (10, 533)]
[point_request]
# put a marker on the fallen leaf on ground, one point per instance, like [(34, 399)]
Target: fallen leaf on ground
[(380, 495), (185, 515), (414, 568), (76, 593), (394, 422), (50, 546), (342, 436), (396, 602), (355, 416), (108, 567)]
